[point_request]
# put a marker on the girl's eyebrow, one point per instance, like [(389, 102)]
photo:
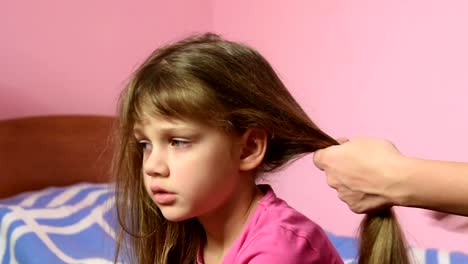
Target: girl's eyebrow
[(137, 131), (175, 130)]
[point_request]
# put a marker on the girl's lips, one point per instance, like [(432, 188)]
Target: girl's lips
[(162, 196)]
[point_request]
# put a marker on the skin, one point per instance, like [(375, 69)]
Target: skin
[(370, 173), (209, 172)]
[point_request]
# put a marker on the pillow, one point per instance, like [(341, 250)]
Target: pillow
[(73, 224)]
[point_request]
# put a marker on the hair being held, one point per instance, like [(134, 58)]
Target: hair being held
[(232, 87)]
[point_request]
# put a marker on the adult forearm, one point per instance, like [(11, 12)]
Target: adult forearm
[(434, 185)]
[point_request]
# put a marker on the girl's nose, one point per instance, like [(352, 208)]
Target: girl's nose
[(155, 165)]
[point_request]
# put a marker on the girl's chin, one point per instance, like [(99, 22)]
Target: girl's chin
[(173, 217)]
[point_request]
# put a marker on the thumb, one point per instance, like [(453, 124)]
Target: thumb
[(342, 140), (319, 154), (318, 159)]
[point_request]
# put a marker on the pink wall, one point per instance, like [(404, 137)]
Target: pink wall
[(74, 56), (393, 69)]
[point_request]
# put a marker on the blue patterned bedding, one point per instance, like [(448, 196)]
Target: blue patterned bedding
[(58, 225), (347, 247), (76, 224)]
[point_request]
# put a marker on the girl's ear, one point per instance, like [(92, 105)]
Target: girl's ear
[(253, 147)]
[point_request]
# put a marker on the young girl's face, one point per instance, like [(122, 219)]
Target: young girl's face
[(189, 169)]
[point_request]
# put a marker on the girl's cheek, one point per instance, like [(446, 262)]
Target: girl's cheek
[(182, 165)]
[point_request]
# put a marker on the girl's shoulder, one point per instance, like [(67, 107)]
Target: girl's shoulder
[(278, 233)]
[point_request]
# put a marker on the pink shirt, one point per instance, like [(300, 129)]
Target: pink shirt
[(278, 234)]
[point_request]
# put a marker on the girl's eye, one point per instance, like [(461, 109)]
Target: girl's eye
[(145, 145), (179, 143)]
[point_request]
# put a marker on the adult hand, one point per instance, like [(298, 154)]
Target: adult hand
[(363, 172)]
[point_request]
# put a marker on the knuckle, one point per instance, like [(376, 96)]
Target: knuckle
[(318, 159), (332, 182)]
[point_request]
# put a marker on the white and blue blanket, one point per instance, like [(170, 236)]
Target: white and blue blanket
[(76, 224), (58, 225)]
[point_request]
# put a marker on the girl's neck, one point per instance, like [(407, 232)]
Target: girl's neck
[(223, 226)]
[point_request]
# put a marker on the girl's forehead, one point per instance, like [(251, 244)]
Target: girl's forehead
[(166, 122), (147, 120), (146, 110), (168, 125)]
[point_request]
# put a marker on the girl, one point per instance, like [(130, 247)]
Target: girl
[(199, 122)]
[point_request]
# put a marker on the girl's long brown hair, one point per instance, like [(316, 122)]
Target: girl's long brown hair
[(230, 86)]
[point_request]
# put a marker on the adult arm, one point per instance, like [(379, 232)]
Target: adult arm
[(371, 173)]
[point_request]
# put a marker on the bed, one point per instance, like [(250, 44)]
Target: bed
[(56, 198)]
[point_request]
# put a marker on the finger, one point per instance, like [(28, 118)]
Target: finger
[(348, 198), (318, 159), (332, 182), (342, 196), (342, 140)]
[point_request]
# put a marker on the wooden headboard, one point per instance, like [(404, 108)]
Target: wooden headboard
[(37, 152)]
